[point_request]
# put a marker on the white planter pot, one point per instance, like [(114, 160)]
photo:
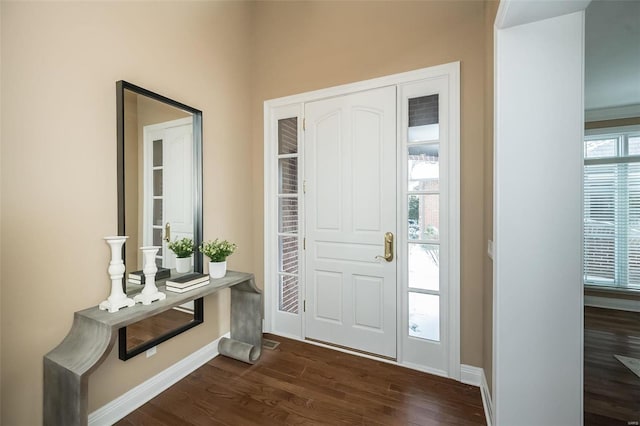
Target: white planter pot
[(183, 264), (217, 269)]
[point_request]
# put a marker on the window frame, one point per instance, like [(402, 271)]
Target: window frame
[(622, 134), (282, 235), (417, 242)]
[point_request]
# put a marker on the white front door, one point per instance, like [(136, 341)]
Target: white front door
[(350, 199), (178, 184), (168, 211)]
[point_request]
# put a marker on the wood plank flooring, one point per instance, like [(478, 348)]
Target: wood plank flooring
[(611, 390), (302, 384)]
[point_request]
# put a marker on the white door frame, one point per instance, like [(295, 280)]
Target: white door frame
[(289, 106)]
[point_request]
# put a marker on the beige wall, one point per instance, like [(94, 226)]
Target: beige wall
[(60, 62), (302, 46)]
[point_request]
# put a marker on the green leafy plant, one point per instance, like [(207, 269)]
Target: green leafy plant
[(182, 248), (217, 251)]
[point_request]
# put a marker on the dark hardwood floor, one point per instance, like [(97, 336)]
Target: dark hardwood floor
[(611, 390), (299, 383)]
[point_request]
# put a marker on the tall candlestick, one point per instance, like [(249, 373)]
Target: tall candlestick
[(117, 299), (150, 292)]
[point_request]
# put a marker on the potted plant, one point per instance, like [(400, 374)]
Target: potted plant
[(183, 250), (217, 251)]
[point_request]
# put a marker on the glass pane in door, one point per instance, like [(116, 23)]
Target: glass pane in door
[(157, 212), (424, 266), (424, 217), (288, 215), (288, 136), (288, 176), (424, 167), (157, 153), (288, 254), (157, 237), (424, 119), (157, 183), (424, 316), (288, 294)]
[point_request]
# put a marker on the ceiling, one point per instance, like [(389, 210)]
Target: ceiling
[(518, 12), (612, 54)]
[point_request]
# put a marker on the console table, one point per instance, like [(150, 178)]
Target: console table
[(93, 334)]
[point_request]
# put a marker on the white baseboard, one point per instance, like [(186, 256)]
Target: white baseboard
[(612, 303), (471, 375), (144, 392), (487, 403), (424, 369), (475, 376)]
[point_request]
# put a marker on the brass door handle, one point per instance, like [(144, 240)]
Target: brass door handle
[(167, 232), (388, 247)]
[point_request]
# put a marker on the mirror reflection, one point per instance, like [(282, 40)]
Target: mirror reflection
[(159, 201), (156, 325), (159, 181), (142, 335)]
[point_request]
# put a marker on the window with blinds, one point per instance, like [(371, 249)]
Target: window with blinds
[(611, 245)]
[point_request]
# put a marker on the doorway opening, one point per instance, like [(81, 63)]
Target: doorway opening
[(611, 213)]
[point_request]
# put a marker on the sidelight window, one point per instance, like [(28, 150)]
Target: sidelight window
[(158, 197), (288, 215), (423, 199)]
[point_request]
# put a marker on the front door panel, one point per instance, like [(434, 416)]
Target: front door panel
[(350, 174)]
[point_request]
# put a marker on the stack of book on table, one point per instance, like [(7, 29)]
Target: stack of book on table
[(137, 277), (187, 282)]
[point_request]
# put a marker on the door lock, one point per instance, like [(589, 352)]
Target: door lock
[(167, 232), (388, 247)]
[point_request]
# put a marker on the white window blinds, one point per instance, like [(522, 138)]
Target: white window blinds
[(612, 211)]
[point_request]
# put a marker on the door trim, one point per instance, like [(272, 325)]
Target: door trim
[(293, 105)]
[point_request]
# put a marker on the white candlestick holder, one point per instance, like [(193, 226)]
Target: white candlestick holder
[(150, 292), (117, 299)]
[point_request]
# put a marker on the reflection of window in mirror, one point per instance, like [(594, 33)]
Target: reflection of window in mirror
[(159, 178)]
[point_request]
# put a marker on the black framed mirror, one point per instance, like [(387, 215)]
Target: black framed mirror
[(159, 161)]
